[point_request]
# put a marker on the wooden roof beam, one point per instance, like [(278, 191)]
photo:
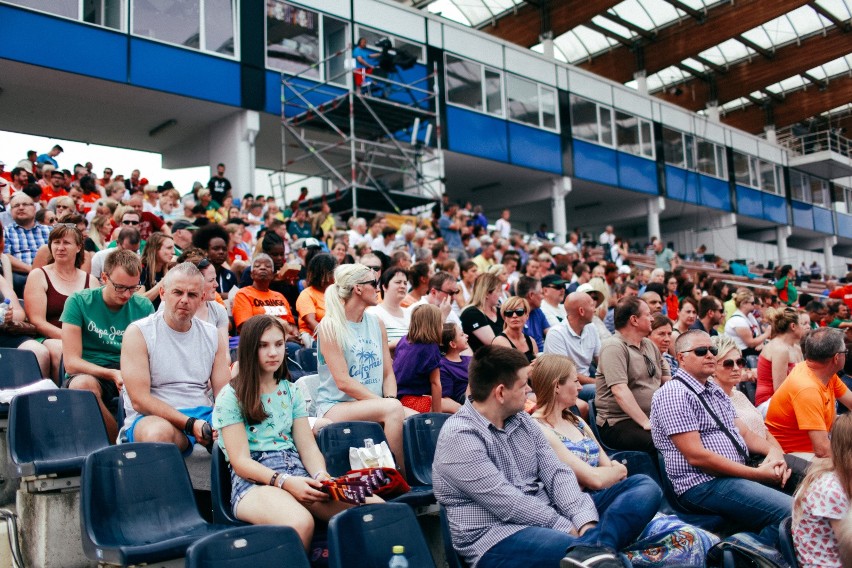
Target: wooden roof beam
[(609, 33), (750, 44), (681, 40), (642, 32), (698, 15), (845, 26)]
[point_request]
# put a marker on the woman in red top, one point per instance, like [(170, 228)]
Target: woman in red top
[(671, 300), (782, 353)]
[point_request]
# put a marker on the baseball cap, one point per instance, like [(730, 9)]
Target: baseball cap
[(552, 280), (184, 224), (558, 250), (311, 242), (588, 289)]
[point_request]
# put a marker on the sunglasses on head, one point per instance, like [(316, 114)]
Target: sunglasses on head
[(512, 313), (729, 363), (702, 351)]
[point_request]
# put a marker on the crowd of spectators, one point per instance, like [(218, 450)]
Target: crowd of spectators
[(134, 291)]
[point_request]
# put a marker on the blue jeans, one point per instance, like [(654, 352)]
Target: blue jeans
[(750, 505), (624, 509), (587, 392)]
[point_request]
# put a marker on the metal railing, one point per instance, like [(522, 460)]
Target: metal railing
[(813, 142)]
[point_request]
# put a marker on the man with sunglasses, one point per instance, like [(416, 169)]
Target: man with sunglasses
[(93, 325), (630, 370), (705, 447), (442, 290)]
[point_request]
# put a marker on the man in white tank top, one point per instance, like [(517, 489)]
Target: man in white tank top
[(173, 365)]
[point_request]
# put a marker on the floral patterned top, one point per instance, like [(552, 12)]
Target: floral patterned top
[(586, 448), (816, 543), (275, 433)]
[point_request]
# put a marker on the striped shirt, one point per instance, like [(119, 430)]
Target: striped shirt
[(496, 482), (675, 410)]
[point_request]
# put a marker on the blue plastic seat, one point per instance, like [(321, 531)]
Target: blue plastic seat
[(335, 440), (52, 432), (137, 505), (454, 559), (306, 357), (711, 523), (364, 537), (786, 545), (220, 489), (266, 546), (420, 436), (594, 426), (18, 368)]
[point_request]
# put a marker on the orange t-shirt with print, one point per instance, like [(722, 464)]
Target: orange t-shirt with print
[(250, 301), (310, 301)]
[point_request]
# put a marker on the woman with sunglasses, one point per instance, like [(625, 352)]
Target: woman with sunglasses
[(354, 363), (515, 312), (481, 320), (48, 287), (742, 326)]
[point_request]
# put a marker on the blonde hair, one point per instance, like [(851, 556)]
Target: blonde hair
[(426, 325), (781, 319), (551, 370), (742, 295), (723, 344), (602, 288), (840, 463), (482, 286), (334, 324), (98, 222), (513, 303)]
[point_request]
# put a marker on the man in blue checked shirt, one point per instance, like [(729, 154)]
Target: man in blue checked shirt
[(24, 236), (510, 501), (705, 453)]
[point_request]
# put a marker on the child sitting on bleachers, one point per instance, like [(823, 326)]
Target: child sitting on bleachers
[(417, 359), (453, 367)]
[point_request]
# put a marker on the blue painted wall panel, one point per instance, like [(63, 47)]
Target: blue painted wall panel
[(534, 148), (676, 183), (188, 73), (595, 163), (844, 225), (415, 78), (823, 220), (775, 208), (749, 202), (638, 174), (61, 44), (803, 215), (714, 193), (477, 134)]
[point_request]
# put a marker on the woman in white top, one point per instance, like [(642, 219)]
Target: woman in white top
[(394, 283), (469, 272), (742, 326)]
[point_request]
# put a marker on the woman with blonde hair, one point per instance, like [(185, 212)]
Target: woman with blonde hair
[(783, 351), (156, 261), (822, 501), (356, 380), (481, 320), (600, 286), (742, 326), (99, 235), (516, 312)]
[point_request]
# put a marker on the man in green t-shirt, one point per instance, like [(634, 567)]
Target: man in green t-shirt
[(93, 325)]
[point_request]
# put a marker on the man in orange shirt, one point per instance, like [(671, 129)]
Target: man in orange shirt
[(56, 187), (802, 410)]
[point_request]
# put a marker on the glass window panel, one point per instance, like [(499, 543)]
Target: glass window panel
[(605, 125), (398, 44), (66, 8), (464, 82), (336, 36), (106, 13), (819, 191), (721, 161), (673, 147), (548, 107), (627, 132), (174, 21), (647, 138), (799, 187), (767, 176), (584, 119), (741, 169), (219, 26), (493, 92), (522, 99), (689, 151), (706, 154), (292, 38)]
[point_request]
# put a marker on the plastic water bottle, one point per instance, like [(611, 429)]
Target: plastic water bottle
[(398, 560), (368, 443), (4, 307)]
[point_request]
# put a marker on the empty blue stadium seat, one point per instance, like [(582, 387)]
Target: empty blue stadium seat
[(18, 367), (708, 522), (594, 426), (454, 560), (220, 489), (307, 359), (266, 546), (52, 432), (420, 436), (137, 505), (364, 537), (786, 545)]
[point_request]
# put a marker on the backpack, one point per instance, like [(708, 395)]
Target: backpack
[(747, 551)]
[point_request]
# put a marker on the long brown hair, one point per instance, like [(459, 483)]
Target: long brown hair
[(840, 463), (246, 384), (551, 370), (149, 256)]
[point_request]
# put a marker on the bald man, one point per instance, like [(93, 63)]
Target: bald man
[(577, 338)]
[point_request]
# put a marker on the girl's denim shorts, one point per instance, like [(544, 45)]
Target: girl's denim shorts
[(283, 461)]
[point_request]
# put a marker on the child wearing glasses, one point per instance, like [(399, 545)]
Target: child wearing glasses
[(515, 312), (417, 361)]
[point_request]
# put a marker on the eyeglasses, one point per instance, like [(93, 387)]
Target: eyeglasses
[(702, 351), (373, 283), (374, 268), (729, 363), (513, 313), (69, 225), (122, 289), (130, 222), (448, 292), (844, 352), (652, 368), (17, 205)]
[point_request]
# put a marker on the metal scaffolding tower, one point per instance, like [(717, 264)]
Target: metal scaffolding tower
[(378, 146)]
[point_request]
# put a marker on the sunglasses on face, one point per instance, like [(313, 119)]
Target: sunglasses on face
[(702, 351), (514, 313), (449, 292), (373, 283), (130, 222), (729, 363)]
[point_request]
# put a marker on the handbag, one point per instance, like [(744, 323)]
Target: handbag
[(747, 551)]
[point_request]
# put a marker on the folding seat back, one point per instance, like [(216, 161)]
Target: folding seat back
[(267, 546), (18, 368), (220, 489), (335, 440), (420, 436), (785, 538)]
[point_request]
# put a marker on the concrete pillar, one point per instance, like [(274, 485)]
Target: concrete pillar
[(8, 484), (641, 82), (828, 251), (769, 130), (547, 44), (232, 142), (713, 111), (50, 529), (656, 205), (560, 188), (781, 234)]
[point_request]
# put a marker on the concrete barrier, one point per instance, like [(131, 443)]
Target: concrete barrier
[(49, 527)]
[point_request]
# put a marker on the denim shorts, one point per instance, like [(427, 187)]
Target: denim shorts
[(282, 461)]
